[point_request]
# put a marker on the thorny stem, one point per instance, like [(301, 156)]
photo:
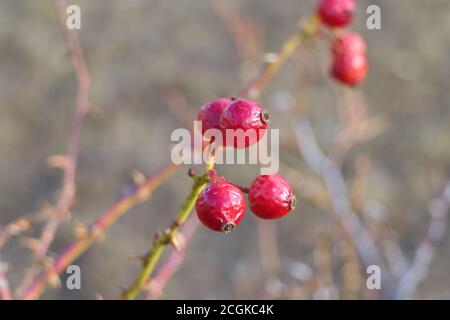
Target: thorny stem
[(156, 283), (152, 258)]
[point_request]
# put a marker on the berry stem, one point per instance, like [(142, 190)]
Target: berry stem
[(155, 253), (307, 28)]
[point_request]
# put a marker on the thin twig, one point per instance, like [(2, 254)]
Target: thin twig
[(439, 209), (82, 108), (5, 291), (307, 29), (68, 189), (342, 210)]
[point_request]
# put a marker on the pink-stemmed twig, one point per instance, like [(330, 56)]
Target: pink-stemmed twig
[(157, 284), (140, 194), (68, 190), (439, 210), (5, 291)]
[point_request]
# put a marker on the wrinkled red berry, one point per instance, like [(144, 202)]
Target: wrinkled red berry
[(210, 113), (349, 68), (221, 206), (349, 42), (271, 197), (249, 117), (336, 13)]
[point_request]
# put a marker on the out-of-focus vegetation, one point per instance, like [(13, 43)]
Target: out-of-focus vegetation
[(153, 61)]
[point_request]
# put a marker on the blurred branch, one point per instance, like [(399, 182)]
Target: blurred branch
[(341, 207), (156, 285), (418, 270), (140, 194), (82, 107), (68, 190), (307, 28), (14, 228), (5, 292)]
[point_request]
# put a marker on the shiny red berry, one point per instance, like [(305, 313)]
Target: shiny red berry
[(221, 206), (349, 42), (247, 121), (336, 13), (349, 68), (271, 197), (210, 113)]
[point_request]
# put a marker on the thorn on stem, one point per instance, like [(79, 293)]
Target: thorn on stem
[(177, 241), (176, 223), (142, 258), (192, 173)]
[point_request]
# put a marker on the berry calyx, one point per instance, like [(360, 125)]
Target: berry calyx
[(336, 13), (350, 68), (271, 197), (349, 42), (220, 206), (246, 120), (210, 113)]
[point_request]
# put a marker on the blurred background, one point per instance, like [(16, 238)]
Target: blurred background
[(153, 64)]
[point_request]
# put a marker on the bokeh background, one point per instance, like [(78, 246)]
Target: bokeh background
[(153, 63)]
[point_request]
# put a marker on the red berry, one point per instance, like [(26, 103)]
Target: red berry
[(210, 113), (271, 197), (350, 68), (348, 43), (248, 116), (221, 206), (336, 13)]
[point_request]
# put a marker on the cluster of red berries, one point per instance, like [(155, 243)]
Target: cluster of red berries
[(221, 205), (348, 49), (235, 114)]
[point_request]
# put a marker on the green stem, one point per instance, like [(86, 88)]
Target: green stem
[(153, 257)]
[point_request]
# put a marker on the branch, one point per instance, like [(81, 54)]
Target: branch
[(156, 285), (168, 237), (342, 210), (68, 190), (5, 292), (416, 273), (96, 230)]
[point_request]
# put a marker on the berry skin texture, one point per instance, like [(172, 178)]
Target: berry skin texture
[(248, 116), (350, 42), (221, 206), (210, 113), (336, 13), (350, 68), (271, 197)]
